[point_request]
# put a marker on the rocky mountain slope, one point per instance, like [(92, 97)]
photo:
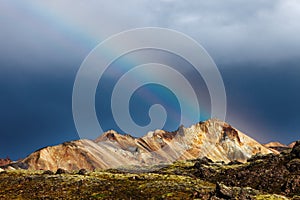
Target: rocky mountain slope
[(214, 139)]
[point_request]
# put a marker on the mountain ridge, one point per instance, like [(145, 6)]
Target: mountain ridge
[(213, 138)]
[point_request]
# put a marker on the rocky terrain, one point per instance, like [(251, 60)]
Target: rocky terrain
[(261, 177), (270, 173), (214, 139)]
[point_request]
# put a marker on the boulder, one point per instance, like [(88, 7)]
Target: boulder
[(225, 192), (202, 161), (295, 153), (82, 172), (61, 171)]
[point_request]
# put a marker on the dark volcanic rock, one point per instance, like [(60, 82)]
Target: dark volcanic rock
[(295, 153), (204, 172), (292, 186), (202, 161), (82, 172), (294, 165), (236, 162), (61, 171), (279, 174), (48, 172)]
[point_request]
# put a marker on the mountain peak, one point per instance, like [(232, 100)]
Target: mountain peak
[(112, 135), (275, 144), (213, 139)]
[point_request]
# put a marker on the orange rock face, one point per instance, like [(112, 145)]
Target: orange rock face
[(214, 139)]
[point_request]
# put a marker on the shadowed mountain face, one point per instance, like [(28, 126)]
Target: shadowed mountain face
[(214, 139)]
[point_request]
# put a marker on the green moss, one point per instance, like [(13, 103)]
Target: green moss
[(98, 195), (24, 184), (270, 197)]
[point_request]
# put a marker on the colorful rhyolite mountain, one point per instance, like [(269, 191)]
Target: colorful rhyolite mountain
[(277, 146), (213, 138)]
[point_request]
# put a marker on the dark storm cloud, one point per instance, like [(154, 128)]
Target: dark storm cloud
[(232, 31), (35, 111), (237, 31), (255, 44), (263, 101)]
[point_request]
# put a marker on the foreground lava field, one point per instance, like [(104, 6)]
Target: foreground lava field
[(262, 177)]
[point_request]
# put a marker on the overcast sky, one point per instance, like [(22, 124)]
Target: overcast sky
[(255, 44)]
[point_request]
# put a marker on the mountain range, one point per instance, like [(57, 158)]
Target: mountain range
[(213, 139)]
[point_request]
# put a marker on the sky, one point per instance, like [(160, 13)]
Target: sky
[(255, 45)]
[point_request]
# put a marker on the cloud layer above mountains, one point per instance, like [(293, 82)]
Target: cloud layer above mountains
[(255, 44)]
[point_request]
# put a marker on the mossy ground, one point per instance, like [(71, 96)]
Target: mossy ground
[(176, 181), (21, 184)]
